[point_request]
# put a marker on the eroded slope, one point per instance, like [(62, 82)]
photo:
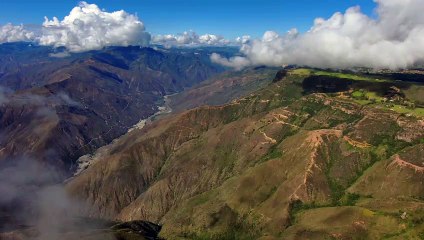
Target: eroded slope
[(265, 166)]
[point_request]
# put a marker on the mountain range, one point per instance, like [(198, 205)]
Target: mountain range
[(260, 153), (57, 108), (292, 160)]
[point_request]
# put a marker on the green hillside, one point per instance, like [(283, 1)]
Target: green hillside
[(289, 161)]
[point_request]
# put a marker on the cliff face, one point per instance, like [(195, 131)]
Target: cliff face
[(277, 163)]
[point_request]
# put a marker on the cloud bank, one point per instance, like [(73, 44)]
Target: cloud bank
[(190, 38), (87, 27), (12, 33), (394, 40)]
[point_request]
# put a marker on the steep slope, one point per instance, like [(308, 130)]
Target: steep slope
[(89, 229), (57, 109), (278, 163), (400, 175), (223, 88)]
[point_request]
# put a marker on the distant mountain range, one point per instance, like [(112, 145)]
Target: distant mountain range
[(56, 107)]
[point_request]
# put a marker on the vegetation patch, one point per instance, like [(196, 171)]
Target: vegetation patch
[(304, 72), (355, 77), (414, 111), (226, 157), (349, 199), (273, 154), (298, 206), (243, 229)]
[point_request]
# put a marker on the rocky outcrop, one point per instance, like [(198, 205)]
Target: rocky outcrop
[(280, 75)]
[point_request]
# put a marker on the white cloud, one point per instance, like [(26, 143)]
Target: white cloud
[(243, 39), (12, 33), (190, 38), (394, 40), (236, 62), (211, 39), (87, 27)]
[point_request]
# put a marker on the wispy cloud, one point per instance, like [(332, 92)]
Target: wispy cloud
[(29, 194)]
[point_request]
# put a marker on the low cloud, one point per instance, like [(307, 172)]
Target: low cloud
[(26, 186), (190, 38), (45, 109), (12, 33), (87, 27), (9, 97), (21, 177), (30, 197), (394, 40), (236, 62)]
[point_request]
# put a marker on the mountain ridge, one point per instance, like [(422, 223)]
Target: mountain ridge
[(91, 98), (216, 166)]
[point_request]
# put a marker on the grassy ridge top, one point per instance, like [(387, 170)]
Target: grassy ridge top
[(404, 97)]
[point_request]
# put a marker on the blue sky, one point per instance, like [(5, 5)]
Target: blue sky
[(230, 18)]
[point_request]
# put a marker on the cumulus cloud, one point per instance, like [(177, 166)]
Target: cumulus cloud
[(394, 40), (87, 27), (243, 39), (12, 33), (190, 38)]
